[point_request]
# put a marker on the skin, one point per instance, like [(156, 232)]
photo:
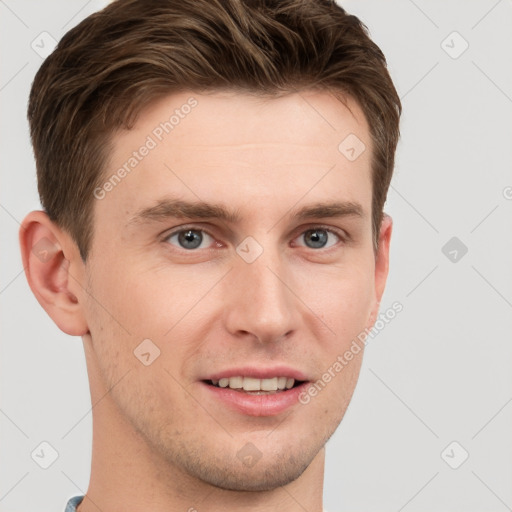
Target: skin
[(159, 439)]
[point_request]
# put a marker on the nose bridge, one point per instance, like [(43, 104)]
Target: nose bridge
[(260, 302)]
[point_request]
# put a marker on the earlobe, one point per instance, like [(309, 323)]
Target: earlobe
[(49, 258)]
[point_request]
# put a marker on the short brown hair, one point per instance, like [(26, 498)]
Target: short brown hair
[(107, 68)]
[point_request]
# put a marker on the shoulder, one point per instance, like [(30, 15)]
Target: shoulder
[(73, 503)]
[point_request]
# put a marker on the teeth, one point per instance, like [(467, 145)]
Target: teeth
[(236, 382), (281, 382), (269, 384), (252, 384)]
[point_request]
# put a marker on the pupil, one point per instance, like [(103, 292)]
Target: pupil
[(190, 239), (316, 237)]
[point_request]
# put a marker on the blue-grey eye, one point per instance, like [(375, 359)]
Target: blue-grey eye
[(318, 238), (189, 238)]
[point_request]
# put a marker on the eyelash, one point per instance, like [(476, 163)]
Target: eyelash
[(343, 237)]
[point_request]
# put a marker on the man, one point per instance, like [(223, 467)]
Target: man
[(213, 176)]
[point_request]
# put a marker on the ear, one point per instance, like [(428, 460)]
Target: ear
[(55, 271), (381, 264)]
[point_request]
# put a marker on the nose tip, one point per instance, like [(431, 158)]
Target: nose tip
[(260, 303)]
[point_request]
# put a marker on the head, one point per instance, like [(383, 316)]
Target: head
[(192, 164)]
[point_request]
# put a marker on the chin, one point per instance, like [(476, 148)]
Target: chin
[(276, 466), (264, 476)]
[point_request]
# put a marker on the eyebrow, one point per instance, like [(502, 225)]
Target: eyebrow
[(175, 208)]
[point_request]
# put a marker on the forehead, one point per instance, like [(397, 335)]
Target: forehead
[(222, 119), (240, 148)]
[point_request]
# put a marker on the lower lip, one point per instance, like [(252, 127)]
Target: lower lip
[(257, 405)]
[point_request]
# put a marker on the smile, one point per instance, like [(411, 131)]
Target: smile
[(254, 385)]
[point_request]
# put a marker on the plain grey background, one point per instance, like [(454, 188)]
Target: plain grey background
[(429, 426)]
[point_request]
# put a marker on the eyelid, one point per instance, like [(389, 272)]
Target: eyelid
[(343, 236), (340, 233), (194, 227)]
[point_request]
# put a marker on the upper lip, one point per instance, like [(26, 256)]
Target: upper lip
[(259, 372)]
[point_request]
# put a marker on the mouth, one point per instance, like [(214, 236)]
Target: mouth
[(255, 386), (256, 392)]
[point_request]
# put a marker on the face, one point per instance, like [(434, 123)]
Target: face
[(234, 252)]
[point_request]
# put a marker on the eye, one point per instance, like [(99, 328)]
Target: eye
[(189, 239), (319, 238)]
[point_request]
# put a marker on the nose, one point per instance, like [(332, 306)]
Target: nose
[(260, 302)]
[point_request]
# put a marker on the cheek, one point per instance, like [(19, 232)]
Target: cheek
[(347, 305), (146, 303), (342, 298), (171, 309)]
